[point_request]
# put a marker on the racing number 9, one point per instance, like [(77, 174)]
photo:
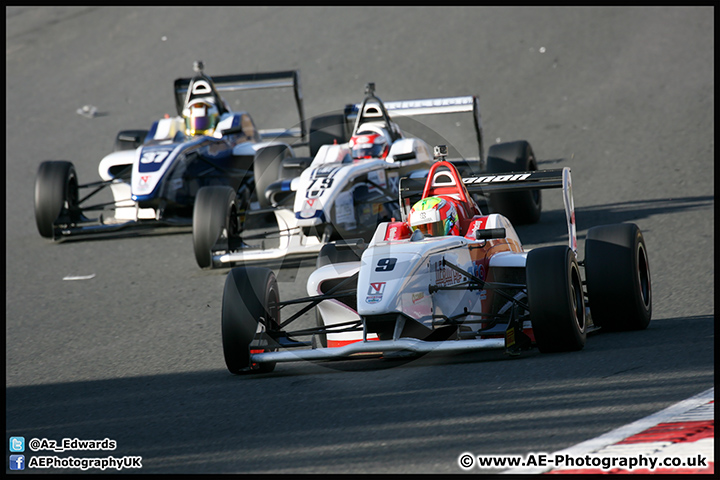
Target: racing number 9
[(385, 264)]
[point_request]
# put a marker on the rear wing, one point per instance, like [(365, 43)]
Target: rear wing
[(432, 106), (254, 81), (411, 190)]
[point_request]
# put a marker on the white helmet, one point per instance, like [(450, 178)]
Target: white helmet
[(370, 141)]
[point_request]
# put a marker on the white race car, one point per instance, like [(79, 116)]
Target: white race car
[(351, 185), (417, 289)]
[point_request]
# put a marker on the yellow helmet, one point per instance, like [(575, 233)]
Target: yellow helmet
[(201, 117)]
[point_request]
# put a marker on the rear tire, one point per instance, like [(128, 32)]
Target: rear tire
[(267, 168), (555, 299), (618, 277), (56, 193), (250, 295), (327, 130), (519, 207), (214, 210)]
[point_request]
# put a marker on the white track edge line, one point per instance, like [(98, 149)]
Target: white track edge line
[(625, 431)]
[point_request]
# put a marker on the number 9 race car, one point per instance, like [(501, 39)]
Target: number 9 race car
[(416, 288), (155, 174), (351, 185)]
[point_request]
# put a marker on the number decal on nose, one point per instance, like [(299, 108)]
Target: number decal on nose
[(385, 264)]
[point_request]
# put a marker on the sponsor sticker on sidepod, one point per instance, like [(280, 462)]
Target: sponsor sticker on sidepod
[(375, 292)]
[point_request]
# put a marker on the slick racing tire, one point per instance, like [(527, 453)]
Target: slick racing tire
[(129, 139), (327, 130), (555, 299), (522, 207), (56, 193), (267, 168), (250, 297), (213, 212), (618, 277)]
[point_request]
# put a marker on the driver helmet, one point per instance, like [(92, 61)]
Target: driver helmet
[(435, 216), (201, 117), (369, 144)]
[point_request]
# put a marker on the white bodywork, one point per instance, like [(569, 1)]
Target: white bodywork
[(125, 208), (404, 285), (324, 183), (315, 196), (404, 288)]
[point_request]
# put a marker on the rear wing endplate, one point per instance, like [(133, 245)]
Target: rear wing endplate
[(432, 106), (253, 81), (411, 189)]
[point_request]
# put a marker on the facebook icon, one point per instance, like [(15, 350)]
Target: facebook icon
[(17, 462)]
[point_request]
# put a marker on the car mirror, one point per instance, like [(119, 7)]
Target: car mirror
[(486, 234)]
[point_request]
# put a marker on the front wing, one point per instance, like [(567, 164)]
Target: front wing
[(293, 243), (380, 347), (95, 228)]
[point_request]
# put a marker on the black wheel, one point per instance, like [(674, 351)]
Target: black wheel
[(519, 207), (250, 297), (555, 299), (56, 194), (618, 277), (267, 168), (130, 139), (327, 130), (215, 210)]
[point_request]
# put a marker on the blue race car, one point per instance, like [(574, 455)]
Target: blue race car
[(155, 174)]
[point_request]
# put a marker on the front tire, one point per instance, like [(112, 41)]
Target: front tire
[(56, 194), (251, 297), (522, 207), (555, 299), (618, 277), (215, 210)]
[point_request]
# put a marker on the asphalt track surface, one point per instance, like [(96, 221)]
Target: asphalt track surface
[(623, 96)]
